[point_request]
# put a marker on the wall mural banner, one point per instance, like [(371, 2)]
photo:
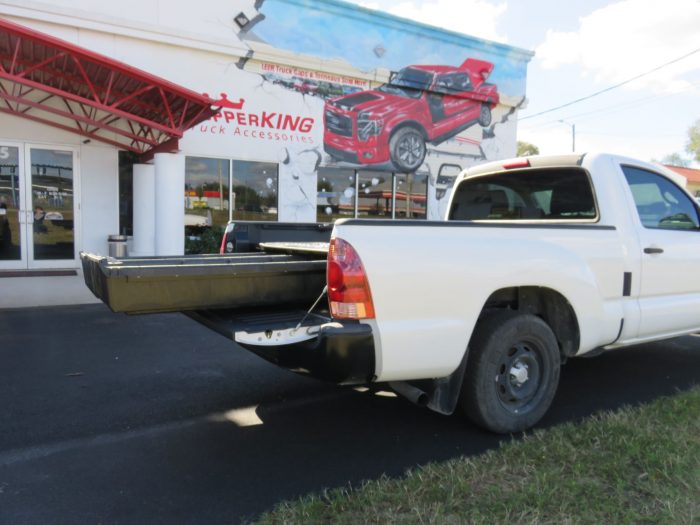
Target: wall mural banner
[(420, 104), (382, 96)]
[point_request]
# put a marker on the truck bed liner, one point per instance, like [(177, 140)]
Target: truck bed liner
[(182, 283)]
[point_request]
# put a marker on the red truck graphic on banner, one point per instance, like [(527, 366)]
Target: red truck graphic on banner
[(420, 104)]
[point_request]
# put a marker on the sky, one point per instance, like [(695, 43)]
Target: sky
[(583, 47)]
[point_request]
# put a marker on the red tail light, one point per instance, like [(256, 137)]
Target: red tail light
[(222, 248), (519, 163), (228, 245), (348, 290)]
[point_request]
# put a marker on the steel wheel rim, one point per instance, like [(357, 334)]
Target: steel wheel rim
[(410, 150), (518, 378)]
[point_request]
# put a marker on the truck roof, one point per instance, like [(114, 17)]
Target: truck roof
[(471, 65), (535, 161), (567, 159), (435, 69)]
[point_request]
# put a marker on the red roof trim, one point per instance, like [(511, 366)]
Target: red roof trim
[(691, 174), (48, 80)]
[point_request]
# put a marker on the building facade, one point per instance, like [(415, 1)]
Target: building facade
[(691, 178), (325, 110)]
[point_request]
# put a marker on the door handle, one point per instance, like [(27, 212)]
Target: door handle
[(653, 250)]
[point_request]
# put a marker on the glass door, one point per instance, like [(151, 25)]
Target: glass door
[(13, 215), (50, 205), (37, 206)]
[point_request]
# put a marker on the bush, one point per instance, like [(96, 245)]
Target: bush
[(204, 240)]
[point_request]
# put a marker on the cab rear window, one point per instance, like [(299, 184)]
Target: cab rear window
[(534, 194)]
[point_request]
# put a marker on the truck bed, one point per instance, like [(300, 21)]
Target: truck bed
[(194, 282)]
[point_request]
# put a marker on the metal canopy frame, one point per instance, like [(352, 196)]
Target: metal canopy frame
[(54, 82)]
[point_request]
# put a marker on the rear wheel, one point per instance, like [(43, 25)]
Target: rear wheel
[(485, 115), (512, 372)]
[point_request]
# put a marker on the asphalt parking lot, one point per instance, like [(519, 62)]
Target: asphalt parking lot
[(108, 418)]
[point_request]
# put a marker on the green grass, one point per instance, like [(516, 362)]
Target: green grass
[(634, 465)]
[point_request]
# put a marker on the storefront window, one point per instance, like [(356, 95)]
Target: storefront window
[(335, 194), (255, 190), (374, 199), (371, 196), (206, 192), (411, 196)]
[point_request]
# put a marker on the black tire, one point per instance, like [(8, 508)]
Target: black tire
[(512, 372), (407, 149), (485, 116)]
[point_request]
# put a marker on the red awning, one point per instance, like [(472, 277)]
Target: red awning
[(57, 83)]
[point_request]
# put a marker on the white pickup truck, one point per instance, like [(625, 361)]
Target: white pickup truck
[(539, 259)]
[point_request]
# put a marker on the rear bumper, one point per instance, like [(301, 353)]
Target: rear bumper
[(342, 353)]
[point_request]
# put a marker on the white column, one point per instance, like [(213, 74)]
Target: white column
[(169, 203), (144, 210)]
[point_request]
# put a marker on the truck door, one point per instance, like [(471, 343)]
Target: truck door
[(669, 235)]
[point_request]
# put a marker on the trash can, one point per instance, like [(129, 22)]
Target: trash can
[(117, 245)]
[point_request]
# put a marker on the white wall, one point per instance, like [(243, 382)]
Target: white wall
[(99, 196), (22, 292), (21, 129), (205, 19), (205, 24)]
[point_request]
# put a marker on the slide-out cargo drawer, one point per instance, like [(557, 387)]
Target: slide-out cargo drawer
[(193, 282)]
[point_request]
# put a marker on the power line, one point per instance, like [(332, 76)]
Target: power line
[(610, 88), (612, 108)]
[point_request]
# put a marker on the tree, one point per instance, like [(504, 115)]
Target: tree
[(247, 199), (525, 149), (675, 159), (693, 146)]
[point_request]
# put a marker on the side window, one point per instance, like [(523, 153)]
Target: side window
[(462, 83), (444, 84), (660, 203)]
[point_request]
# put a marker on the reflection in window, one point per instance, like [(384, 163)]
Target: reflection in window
[(206, 192), (9, 204), (127, 159), (255, 191), (374, 198), (370, 196), (335, 194), (52, 203), (411, 196)]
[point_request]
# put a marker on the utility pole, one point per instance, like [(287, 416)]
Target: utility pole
[(573, 133)]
